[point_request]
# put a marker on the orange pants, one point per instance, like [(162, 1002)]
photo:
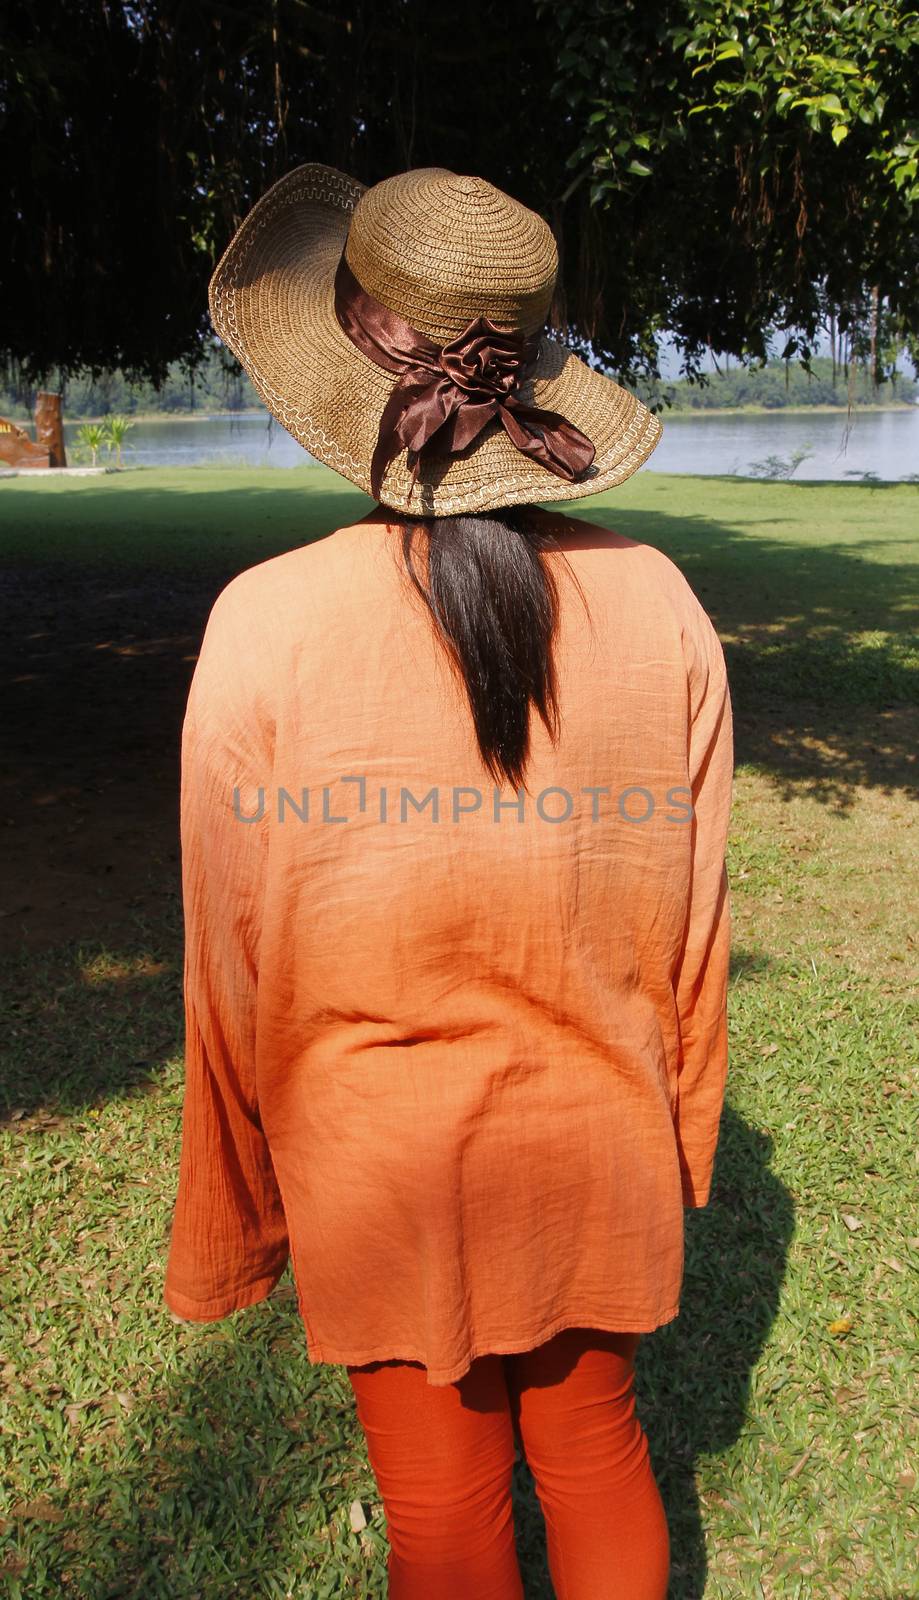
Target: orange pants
[(443, 1458)]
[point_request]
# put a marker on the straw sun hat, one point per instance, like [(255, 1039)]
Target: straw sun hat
[(333, 296)]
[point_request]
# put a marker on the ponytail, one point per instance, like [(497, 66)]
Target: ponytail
[(494, 604)]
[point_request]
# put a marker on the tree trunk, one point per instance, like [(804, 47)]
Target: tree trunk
[(49, 427)]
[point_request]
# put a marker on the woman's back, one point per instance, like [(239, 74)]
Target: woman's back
[(482, 1032)]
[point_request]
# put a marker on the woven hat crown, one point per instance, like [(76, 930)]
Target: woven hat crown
[(440, 250)]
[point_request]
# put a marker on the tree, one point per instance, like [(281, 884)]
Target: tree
[(136, 135), (690, 156), (737, 167)]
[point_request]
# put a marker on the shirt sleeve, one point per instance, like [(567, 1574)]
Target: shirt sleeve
[(701, 979), (229, 1242)]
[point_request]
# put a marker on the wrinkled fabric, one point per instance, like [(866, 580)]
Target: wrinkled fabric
[(459, 1055), (447, 395)]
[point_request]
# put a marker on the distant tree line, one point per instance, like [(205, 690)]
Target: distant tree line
[(215, 388), (781, 384), (710, 169), (216, 383)]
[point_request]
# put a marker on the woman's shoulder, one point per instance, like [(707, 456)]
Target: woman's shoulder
[(648, 592), (636, 567), (288, 580)]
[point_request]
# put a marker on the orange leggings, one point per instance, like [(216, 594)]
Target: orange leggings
[(443, 1457)]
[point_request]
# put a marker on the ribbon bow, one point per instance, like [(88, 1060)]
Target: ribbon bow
[(446, 395)]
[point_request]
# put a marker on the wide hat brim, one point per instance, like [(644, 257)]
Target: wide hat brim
[(271, 301)]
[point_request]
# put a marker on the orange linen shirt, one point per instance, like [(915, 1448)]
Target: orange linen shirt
[(459, 1054)]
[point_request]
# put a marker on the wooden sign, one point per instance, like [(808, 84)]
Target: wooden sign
[(18, 450)]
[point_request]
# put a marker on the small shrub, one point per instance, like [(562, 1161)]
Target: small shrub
[(115, 429), (92, 436), (780, 466)]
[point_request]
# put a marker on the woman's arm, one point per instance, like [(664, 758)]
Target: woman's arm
[(229, 1242), (702, 975)]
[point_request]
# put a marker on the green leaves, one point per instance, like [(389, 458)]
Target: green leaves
[(729, 49), (833, 64), (763, 150)]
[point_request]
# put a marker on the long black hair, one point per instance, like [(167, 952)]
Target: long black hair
[(494, 602)]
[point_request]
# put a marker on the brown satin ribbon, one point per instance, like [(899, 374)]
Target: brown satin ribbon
[(446, 395)]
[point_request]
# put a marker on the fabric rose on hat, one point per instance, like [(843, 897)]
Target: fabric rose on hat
[(483, 360)]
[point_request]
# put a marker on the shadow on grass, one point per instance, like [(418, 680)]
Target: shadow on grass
[(235, 1475), (694, 1376), (176, 527), (81, 1026)]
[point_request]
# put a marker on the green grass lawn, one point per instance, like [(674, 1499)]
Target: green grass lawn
[(143, 1460)]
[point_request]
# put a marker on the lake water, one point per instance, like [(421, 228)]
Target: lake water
[(884, 443)]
